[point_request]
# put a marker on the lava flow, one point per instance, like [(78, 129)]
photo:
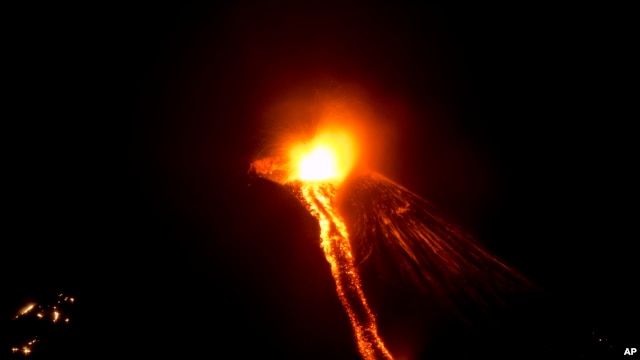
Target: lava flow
[(393, 229), (316, 171)]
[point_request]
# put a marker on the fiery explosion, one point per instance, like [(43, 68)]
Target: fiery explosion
[(329, 157)]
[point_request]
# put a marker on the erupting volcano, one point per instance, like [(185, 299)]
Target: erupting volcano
[(393, 225)]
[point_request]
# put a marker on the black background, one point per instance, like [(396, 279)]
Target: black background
[(129, 129)]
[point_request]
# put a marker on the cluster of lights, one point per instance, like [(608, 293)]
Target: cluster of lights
[(51, 312), (46, 311), (26, 348)]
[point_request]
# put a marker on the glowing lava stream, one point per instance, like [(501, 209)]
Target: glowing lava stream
[(318, 196), (321, 165)]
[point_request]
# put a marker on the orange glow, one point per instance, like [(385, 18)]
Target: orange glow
[(330, 156)]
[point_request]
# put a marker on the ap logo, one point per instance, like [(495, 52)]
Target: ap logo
[(630, 351)]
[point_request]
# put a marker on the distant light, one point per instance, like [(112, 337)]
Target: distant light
[(26, 309)]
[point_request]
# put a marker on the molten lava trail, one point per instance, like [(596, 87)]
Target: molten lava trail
[(318, 197)]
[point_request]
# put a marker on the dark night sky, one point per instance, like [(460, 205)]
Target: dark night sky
[(128, 133)]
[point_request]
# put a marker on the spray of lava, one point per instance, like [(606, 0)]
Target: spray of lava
[(405, 238)]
